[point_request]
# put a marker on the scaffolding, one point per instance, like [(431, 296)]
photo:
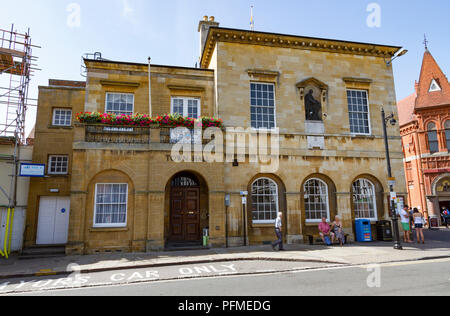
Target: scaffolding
[(17, 65)]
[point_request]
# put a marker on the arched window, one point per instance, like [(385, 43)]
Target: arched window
[(264, 200), (447, 133), (364, 199), (185, 180), (433, 143), (316, 200)]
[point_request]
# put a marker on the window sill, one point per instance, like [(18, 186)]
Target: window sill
[(108, 229), (257, 130), (263, 225), (60, 127), (363, 136)]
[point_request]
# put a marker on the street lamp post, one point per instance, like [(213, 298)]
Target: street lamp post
[(392, 120)]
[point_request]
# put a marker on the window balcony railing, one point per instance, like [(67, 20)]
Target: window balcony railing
[(98, 133), (94, 127), (117, 135)]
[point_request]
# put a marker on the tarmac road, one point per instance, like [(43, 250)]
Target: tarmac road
[(428, 277)]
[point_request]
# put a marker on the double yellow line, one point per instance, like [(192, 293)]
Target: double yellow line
[(8, 234)]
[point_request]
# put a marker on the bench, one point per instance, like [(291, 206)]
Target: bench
[(317, 240)]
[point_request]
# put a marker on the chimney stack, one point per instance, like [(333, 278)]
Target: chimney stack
[(203, 28)]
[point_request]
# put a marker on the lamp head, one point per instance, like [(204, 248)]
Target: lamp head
[(402, 52)]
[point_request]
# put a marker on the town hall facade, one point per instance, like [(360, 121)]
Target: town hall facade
[(122, 191)]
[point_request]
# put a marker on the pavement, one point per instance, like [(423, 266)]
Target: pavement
[(437, 246)]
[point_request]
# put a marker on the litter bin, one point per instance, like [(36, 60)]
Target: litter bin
[(384, 231), (434, 222), (363, 230)]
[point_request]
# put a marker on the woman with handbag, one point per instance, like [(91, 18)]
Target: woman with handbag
[(419, 223)]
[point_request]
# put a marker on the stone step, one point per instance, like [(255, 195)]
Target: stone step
[(39, 252), (184, 246)]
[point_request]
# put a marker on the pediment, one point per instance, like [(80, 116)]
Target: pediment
[(312, 82)]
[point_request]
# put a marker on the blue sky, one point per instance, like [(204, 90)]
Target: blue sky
[(132, 30)]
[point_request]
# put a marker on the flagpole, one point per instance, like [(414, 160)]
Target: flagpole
[(252, 21)]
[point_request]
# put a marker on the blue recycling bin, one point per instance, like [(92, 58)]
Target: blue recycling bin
[(363, 230)]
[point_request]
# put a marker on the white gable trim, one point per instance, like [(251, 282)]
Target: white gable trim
[(434, 86)]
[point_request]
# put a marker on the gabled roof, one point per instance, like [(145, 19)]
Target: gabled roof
[(432, 73)]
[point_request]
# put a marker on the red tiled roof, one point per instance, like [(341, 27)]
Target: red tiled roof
[(406, 109), (431, 71)]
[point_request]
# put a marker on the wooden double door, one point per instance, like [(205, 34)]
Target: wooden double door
[(185, 214)]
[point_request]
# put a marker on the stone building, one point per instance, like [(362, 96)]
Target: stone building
[(319, 100), (425, 130)]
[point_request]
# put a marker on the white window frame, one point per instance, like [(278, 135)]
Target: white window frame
[(186, 105), (368, 112), (327, 201), (111, 225), (49, 169), (119, 112), (54, 123), (374, 200), (277, 204), (274, 106)]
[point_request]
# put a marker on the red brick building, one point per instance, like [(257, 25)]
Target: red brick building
[(425, 129)]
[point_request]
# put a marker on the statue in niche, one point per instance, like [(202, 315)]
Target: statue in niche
[(313, 107)]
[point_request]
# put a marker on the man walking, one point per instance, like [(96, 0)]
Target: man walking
[(446, 216), (278, 231)]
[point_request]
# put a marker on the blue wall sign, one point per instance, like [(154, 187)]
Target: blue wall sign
[(32, 170)]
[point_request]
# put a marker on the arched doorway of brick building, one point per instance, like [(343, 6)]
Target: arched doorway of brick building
[(443, 195), (188, 210)]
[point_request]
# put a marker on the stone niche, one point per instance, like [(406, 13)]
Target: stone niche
[(313, 99)]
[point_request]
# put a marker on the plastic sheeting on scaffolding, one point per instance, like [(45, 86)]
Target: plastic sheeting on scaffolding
[(14, 235)]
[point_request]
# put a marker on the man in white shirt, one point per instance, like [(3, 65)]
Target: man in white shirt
[(278, 231)]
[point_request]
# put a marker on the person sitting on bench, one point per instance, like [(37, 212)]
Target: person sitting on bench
[(325, 231)]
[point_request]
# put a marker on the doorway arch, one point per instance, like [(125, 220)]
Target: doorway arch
[(188, 207)]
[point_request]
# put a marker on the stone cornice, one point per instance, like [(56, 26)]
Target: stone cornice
[(263, 73), (217, 34)]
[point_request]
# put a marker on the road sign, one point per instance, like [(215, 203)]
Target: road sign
[(391, 181)]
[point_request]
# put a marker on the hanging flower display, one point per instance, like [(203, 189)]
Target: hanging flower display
[(142, 120)]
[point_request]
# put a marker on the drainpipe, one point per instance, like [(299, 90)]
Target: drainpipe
[(150, 112)]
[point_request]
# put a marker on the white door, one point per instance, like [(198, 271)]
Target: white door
[(53, 222)]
